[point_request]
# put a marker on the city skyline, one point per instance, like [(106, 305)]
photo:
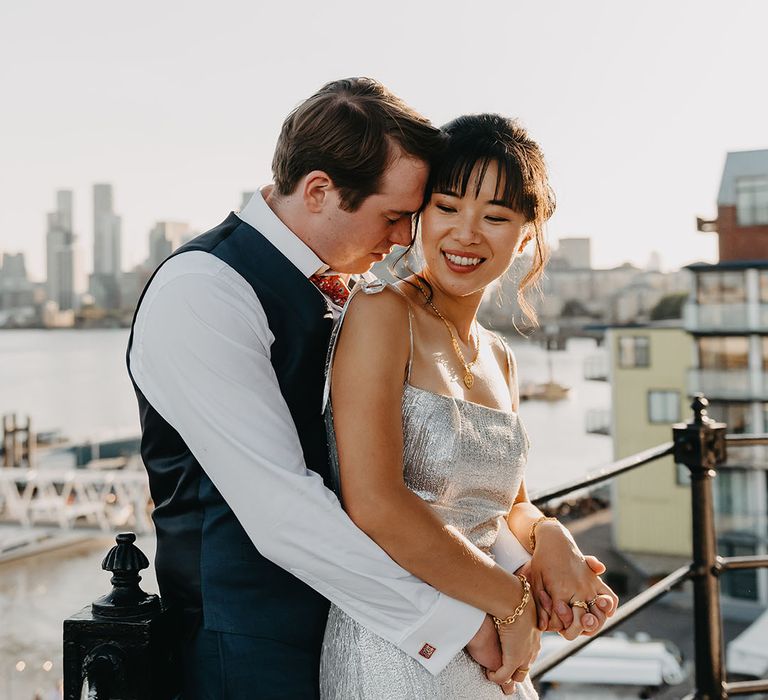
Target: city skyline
[(635, 105)]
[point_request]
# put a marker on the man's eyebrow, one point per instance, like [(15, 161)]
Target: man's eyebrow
[(401, 213)]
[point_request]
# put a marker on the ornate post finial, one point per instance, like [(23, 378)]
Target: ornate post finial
[(126, 600), (699, 406)]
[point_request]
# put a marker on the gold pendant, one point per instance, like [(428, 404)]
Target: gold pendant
[(469, 380)]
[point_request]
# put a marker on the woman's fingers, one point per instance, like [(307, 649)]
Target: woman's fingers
[(576, 627), (507, 687), (595, 564), (594, 621)]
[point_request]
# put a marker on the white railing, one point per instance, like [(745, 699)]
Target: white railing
[(103, 499), (716, 317), (723, 384)]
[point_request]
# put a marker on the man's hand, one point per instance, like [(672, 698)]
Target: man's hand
[(485, 647)]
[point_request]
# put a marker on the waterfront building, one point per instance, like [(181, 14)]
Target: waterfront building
[(164, 238), (245, 197), (60, 253), (575, 253), (727, 316), (104, 283), (725, 356), (652, 511)]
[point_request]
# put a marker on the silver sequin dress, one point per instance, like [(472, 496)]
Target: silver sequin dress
[(467, 462)]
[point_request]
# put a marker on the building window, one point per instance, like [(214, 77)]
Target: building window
[(663, 406), (723, 352), (763, 286), (740, 584), (634, 351), (721, 287), (752, 200), (737, 416)]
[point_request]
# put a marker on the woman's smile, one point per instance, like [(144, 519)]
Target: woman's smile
[(461, 261)]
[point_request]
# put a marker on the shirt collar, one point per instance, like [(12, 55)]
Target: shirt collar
[(258, 214)]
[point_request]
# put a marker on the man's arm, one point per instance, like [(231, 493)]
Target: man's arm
[(201, 357)]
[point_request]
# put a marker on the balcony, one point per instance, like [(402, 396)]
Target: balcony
[(598, 421), (717, 318), (725, 318), (732, 384), (596, 367)]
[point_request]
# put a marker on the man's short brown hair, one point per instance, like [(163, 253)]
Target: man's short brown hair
[(348, 129)]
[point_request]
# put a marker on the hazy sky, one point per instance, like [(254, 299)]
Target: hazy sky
[(635, 103)]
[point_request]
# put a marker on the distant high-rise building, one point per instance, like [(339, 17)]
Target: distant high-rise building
[(60, 252), (106, 232), (15, 288), (246, 196), (164, 238), (575, 253), (104, 283)]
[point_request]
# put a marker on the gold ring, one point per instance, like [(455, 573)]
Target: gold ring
[(524, 670), (508, 682), (580, 604), (592, 602)]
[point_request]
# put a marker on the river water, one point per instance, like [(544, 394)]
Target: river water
[(75, 381)]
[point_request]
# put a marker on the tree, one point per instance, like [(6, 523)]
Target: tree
[(670, 306)]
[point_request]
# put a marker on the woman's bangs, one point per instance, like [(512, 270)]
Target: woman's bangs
[(455, 178)]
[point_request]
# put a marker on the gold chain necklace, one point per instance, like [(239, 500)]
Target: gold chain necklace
[(469, 378)]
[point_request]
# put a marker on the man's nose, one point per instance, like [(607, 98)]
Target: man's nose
[(402, 233)]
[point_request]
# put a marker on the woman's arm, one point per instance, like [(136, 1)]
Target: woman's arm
[(367, 384)]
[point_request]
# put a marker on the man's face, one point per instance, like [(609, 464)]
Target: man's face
[(361, 238)]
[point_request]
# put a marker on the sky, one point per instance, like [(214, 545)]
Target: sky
[(635, 104)]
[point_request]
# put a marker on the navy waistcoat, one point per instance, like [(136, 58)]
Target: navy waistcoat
[(206, 564)]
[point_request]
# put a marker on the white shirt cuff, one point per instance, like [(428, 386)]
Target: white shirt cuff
[(507, 550), (447, 629)]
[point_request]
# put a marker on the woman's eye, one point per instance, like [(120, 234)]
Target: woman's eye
[(445, 208), (496, 219)]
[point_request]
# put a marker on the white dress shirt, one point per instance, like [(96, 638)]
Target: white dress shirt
[(201, 357)]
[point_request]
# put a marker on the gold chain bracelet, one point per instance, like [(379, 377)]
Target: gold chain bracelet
[(532, 531), (519, 609)]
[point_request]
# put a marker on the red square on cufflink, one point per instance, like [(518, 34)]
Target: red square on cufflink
[(427, 650)]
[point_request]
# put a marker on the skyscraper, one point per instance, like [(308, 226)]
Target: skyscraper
[(106, 232), (60, 253), (105, 281), (164, 238)]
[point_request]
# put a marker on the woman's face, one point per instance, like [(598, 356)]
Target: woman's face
[(470, 241)]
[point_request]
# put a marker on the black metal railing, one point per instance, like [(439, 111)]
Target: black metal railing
[(119, 645), (701, 446)]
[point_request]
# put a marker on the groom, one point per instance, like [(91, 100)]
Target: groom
[(227, 355)]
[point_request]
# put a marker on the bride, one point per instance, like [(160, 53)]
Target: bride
[(427, 435)]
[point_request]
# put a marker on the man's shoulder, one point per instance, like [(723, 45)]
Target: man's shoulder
[(194, 273)]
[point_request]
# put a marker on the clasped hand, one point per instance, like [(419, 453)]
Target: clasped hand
[(559, 575)]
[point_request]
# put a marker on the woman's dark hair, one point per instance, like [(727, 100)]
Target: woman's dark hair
[(478, 140)]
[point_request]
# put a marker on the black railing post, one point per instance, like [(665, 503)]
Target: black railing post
[(700, 445), (119, 646)]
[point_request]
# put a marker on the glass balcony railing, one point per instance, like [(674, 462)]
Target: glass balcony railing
[(733, 384), (717, 317)]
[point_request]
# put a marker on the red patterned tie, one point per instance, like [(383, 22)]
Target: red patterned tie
[(332, 286)]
